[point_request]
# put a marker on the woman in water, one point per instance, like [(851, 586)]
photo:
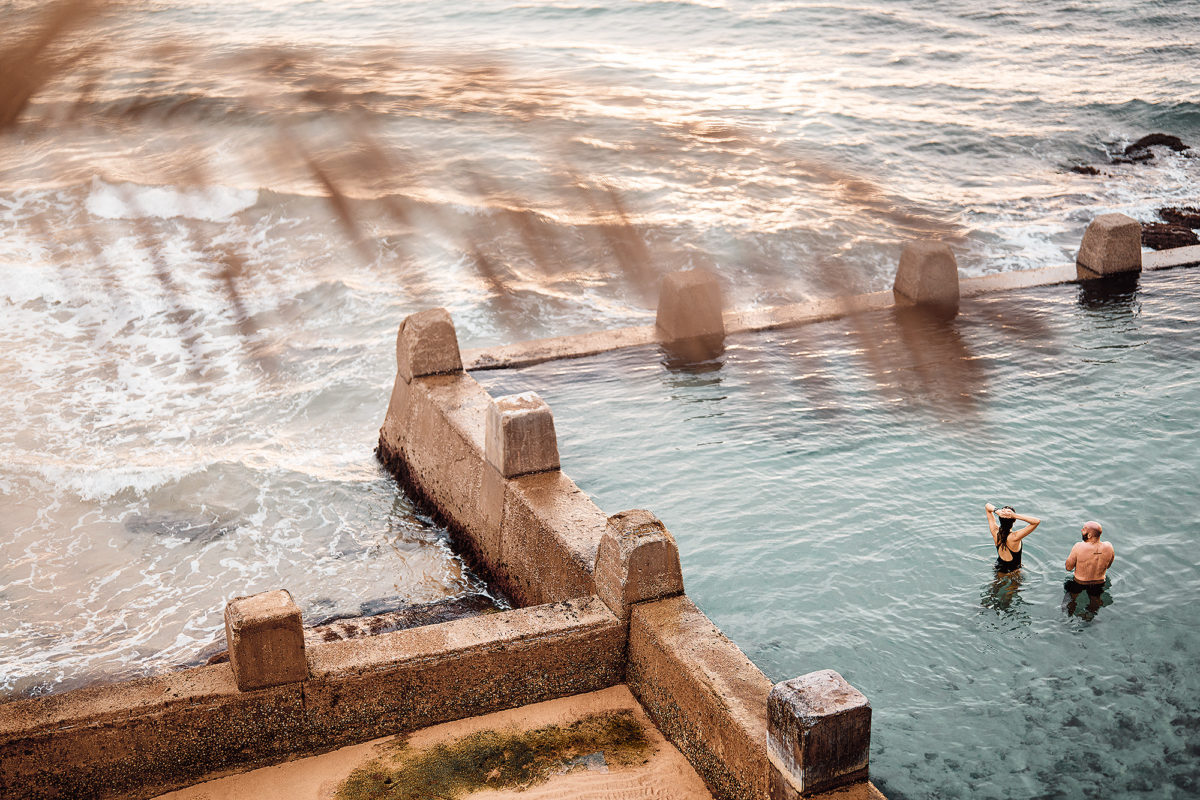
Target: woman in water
[(1008, 541)]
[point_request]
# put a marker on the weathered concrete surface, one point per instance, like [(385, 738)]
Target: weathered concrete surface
[(427, 344), (708, 699), (638, 561), (520, 438), (535, 537), (463, 668), (1177, 257), (550, 536), (864, 790), (1020, 279), (818, 735), (144, 737), (386, 621), (928, 277), (265, 638), (536, 351), (703, 693), (1111, 244)]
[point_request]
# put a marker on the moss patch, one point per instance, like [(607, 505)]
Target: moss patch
[(496, 759)]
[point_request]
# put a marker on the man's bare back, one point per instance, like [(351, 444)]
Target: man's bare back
[(1091, 558)]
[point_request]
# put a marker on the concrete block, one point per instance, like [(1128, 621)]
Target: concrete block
[(549, 540), (690, 307), (928, 277), (638, 560), (818, 735), (1111, 244), (520, 436), (427, 345), (265, 639)]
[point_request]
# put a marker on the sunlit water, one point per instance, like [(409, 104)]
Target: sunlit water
[(828, 518), (164, 448)]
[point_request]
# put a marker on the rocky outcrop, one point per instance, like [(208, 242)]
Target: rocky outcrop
[(1140, 150), (1165, 235), (1187, 216), (1159, 140)]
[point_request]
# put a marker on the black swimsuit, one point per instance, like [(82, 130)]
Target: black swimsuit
[(1008, 566)]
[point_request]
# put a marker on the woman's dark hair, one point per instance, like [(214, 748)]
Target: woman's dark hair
[(1005, 526)]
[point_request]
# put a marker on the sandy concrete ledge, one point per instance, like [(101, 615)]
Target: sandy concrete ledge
[(538, 350), (138, 738), (1174, 257), (535, 537), (666, 773)]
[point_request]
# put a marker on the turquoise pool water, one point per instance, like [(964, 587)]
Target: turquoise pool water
[(826, 486)]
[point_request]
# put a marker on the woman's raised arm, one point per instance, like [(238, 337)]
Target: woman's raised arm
[(1017, 536)]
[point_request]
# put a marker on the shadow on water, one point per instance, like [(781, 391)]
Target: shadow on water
[(1117, 293), (694, 356), (1002, 595), (1085, 602)]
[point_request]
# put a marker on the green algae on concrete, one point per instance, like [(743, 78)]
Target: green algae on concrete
[(492, 759)]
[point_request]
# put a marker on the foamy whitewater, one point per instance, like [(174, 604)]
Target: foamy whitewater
[(165, 445)]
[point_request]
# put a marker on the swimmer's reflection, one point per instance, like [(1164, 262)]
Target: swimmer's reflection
[(1083, 600), (1003, 596)]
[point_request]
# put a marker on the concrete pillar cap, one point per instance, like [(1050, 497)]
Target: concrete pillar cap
[(690, 307), (519, 438), (928, 276), (818, 734), (1112, 244), (637, 561), (265, 637), (427, 344)]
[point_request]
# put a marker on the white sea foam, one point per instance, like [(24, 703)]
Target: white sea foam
[(132, 201)]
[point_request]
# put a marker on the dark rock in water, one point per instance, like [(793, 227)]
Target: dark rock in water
[(1165, 235), (1084, 169), (1137, 157), (1157, 139), (1187, 216), (219, 657), (179, 526), (402, 618), (1140, 150)]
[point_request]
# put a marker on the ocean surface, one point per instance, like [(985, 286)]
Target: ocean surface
[(213, 217)]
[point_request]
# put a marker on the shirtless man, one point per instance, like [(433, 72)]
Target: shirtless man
[(1091, 558)]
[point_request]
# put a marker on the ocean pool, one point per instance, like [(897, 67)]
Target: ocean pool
[(826, 487)]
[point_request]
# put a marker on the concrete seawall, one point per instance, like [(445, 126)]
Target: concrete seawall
[(522, 354), (539, 537), (534, 536), (141, 738)]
